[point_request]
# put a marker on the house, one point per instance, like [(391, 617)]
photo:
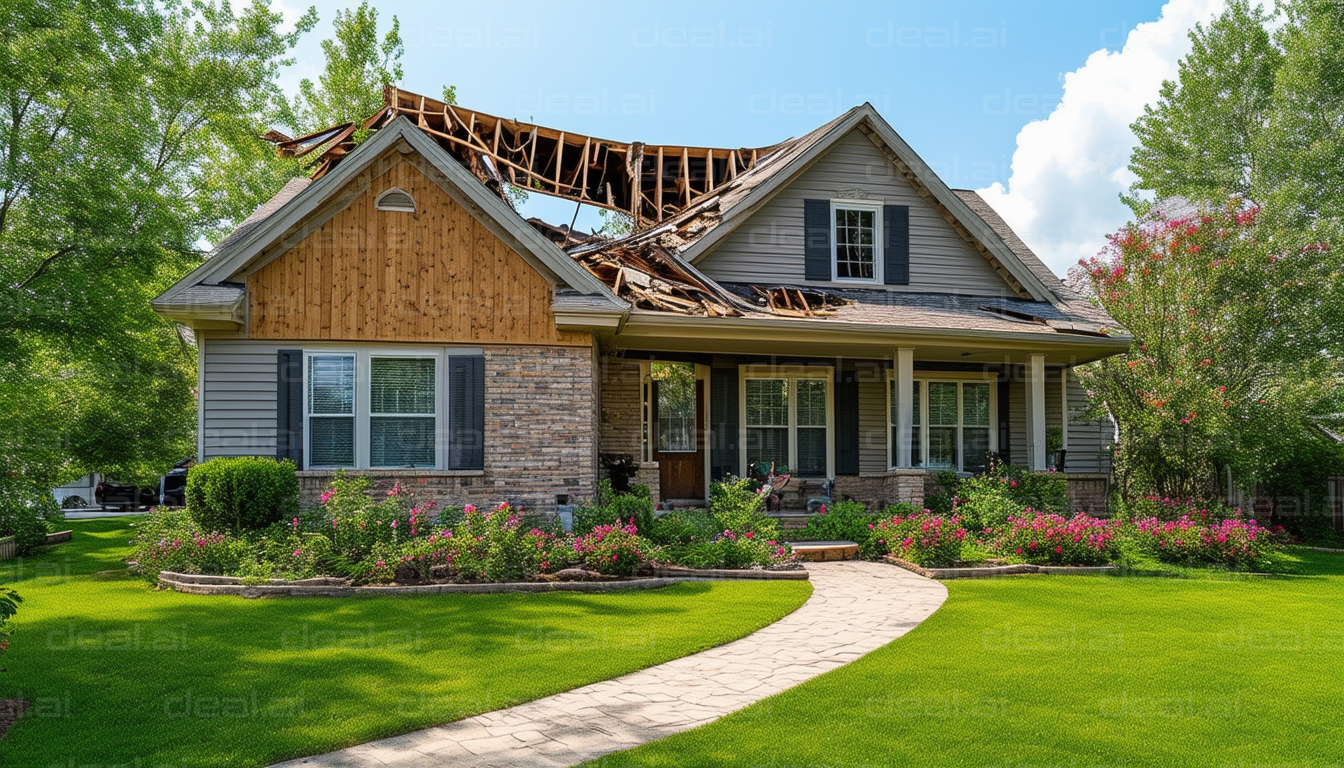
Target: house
[(827, 304)]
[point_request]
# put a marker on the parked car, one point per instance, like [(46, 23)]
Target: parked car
[(173, 486), (113, 494)]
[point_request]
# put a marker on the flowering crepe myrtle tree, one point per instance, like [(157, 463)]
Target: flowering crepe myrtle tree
[(1235, 345)]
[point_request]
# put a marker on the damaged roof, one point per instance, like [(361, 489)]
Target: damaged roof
[(683, 199)]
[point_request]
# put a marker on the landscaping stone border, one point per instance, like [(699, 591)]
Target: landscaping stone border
[(327, 586), (988, 571), (60, 537)]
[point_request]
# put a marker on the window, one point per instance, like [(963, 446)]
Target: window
[(857, 234), (402, 398), (373, 410), (951, 424), (331, 411), (676, 406), (787, 422)]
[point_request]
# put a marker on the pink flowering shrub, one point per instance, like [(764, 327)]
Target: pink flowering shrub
[(1047, 539), (1232, 543), (358, 519), (922, 538), (169, 540), (1168, 509), (615, 550), (727, 549)]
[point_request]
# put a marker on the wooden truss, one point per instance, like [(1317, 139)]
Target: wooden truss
[(648, 182)]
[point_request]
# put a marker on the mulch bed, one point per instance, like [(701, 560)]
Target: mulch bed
[(10, 711)]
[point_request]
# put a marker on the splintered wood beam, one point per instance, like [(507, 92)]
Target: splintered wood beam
[(658, 186), (587, 144), (686, 175), (499, 126), (559, 158), (709, 170)]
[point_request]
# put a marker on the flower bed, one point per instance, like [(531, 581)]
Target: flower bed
[(391, 538), (1048, 539), (922, 538), (1231, 543)]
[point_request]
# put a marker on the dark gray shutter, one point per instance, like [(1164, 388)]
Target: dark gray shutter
[(1005, 408), (896, 249), (466, 412), (289, 405), (846, 423), (723, 423), (817, 239)]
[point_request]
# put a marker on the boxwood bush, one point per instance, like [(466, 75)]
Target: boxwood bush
[(241, 494)]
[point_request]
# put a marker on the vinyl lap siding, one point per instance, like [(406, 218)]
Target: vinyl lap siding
[(238, 403), (1088, 437), (872, 427), (769, 245)]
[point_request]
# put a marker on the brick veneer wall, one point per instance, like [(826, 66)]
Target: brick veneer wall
[(1089, 494), (540, 436)]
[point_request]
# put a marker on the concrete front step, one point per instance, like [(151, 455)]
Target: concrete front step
[(822, 551)]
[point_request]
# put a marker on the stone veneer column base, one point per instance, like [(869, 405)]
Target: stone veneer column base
[(1089, 493), (878, 491), (648, 475)]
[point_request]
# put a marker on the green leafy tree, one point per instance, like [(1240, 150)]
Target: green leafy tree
[(1234, 348), (1300, 173), (111, 115), (1201, 140), (358, 65)]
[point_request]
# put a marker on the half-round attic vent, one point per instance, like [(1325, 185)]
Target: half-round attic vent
[(395, 199)]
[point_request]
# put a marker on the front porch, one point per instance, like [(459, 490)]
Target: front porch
[(881, 427)]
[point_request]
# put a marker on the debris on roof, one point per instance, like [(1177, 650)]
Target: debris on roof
[(651, 279), (802, 302), (649, 182)]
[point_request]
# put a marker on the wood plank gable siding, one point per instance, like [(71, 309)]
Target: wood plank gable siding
[(768, 247), (437, 275)]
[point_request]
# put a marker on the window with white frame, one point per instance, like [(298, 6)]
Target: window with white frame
[(788, 422), (373, 410), (856, 240), (951, 424)]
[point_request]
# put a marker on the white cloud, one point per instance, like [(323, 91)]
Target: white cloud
[(1069, 169)]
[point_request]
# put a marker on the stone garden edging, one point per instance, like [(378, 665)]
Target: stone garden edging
[(988, 571), (327, 586)]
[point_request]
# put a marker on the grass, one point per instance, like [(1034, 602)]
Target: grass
[(121, 674), (1072, 671)]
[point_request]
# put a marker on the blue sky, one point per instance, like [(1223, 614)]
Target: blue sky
[(958, 80)]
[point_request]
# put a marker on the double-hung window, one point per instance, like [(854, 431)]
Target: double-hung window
[(951, 424), (787, 418), (373, 410), (856, 240)]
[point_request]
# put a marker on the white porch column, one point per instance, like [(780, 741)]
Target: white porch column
[(1035, 374), (905, 404), (1064, 408)]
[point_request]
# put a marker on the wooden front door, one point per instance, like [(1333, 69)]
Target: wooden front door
[(679, 437)]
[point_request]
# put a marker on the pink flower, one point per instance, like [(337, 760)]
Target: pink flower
[(297, 552)]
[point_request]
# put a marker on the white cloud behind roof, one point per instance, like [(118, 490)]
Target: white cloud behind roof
[(1069, 169)]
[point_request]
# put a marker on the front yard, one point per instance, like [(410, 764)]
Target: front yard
[(1216, 670), (121, 674)]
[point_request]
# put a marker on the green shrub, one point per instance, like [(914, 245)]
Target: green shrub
[(614, 550), (841, 521), (616, 509), (735, 507), (728, 550), (242, 494), (9, 605), (682, 527), (26, 513), (170, 540)]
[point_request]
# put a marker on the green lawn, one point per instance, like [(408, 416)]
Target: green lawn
[(1069, 671), (121, 674)]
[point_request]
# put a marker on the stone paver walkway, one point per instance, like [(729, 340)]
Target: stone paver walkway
[(855, 607)]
